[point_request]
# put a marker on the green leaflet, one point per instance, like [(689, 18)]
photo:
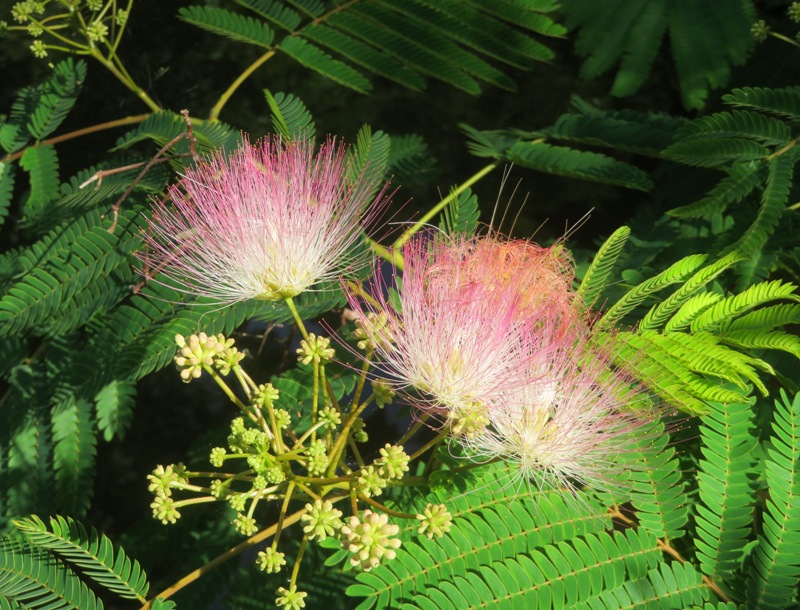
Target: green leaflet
[(290, 117), (774, 568), (597, 277), (94, 553), (658, 493), (231, 25), (724, 515), (461, 214), (33, 579), (508, 522)]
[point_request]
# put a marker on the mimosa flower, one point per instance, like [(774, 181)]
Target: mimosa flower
[(541, 277), (268, 221), (452, 339), (571, 421)]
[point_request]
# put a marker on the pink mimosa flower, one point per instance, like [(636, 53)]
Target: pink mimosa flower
[(266, 222), (453, 340), (571, 421)]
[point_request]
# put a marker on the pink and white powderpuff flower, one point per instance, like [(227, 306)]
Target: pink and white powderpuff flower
[(450, 344), (572, 420), (268, 221)]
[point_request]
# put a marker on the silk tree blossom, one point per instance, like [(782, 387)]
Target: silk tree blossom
[(572, 420), (541, 277), (268, 221), (450, 344)]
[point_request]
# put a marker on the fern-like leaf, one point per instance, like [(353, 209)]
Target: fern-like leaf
[(508, 525), (32, 579), (784, 102), (74, 453), (92, 552), (733, 306), (726, 488), (231, 25), (704, 42), (410, 161), (7, 171), (661, 312), (741, 180), (596, 277), (676, 272), (671, 585), (58, 96), (563, 161), (738, 124), (658, 491), (316, 59), (775, 568), (559, 575), (41, 163), (290, 117), (115, 404), (626, 130), (773, 204), (461, 214), (715, 152), (370, 156)]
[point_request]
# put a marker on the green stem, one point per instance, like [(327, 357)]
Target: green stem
[(229, 393), (385, 509), (296, 314), (213, 115), (440, 206), (338, 447), (128, 82), (315, 400), (784, 38), (434, 441)]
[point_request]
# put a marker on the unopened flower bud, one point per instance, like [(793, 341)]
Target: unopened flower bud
[(370, 482), (271, 561), (393, 462), (435, 520), (164, 510), (291, 598), (321, 520), (370, 539), (316, 349)]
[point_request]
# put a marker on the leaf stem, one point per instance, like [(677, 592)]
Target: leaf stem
[(441, 205), (220, 559), (213, 114), (130, 120)]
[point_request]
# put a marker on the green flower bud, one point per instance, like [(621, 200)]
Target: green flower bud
[(435, 520), (331, 418), (245, 525), (393, 463), (164, 510), (315, 349), (282, 418), (384, 394), (291, 598), (96, 31), (217, 456), (321, 520), (370, 482), (317, 458), (271, 561), (370, 539)]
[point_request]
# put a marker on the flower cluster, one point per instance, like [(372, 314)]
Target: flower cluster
[(490, 336), (268, 222)]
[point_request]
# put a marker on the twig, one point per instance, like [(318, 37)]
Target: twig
[(189, 134)]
